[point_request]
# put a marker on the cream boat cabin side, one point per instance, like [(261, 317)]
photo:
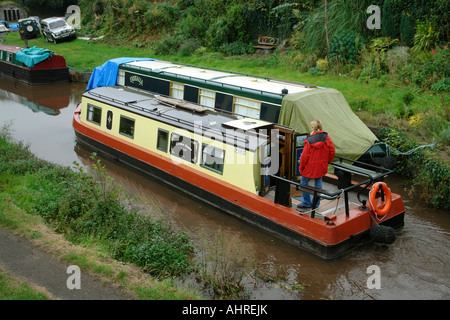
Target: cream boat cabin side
[(238, 165)]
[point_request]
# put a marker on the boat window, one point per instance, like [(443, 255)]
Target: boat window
[(246, 107), (207, 98), (126, 127), (163, 140), (212, 158), (9, 57), (184, 148), (94, 114), (177, 90)]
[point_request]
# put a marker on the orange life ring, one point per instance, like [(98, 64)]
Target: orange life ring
[(380, 211)]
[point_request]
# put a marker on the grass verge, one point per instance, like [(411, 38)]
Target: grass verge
[(56, 207), (14, 289)]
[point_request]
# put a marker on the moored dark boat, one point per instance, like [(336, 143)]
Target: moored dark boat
[(52, 69), (242, 166)]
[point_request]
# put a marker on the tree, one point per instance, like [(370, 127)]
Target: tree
[(406, 30), (388, 25)]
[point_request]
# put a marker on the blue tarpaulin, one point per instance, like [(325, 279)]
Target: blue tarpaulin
[(32, 56), (106, 74)]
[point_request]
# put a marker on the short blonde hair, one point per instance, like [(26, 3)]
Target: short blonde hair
[(316, 125)]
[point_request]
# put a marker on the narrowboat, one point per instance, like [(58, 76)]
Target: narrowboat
[(32, 66), (284, 102), (243, 166)]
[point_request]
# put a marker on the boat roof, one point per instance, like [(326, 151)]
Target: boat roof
[(181, 114), (223, 78), (9, 48)]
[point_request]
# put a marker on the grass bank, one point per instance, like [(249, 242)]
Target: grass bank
[(14, 289), (57, 207)]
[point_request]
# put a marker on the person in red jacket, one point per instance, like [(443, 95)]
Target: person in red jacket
[(318, 152)]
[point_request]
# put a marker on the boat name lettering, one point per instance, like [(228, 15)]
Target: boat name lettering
[(137, 79)]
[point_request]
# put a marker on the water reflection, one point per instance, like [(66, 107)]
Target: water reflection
[(37, 98), (42, 117), (414, 267)]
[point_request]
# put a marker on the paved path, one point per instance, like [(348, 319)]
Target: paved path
[(19, 258)]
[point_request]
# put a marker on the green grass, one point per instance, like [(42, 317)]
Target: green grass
[(38, 198), (15, 289)]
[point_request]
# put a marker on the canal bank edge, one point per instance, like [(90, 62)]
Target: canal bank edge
[(79, 76)]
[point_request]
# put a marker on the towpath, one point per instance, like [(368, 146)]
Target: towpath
[(20, 259)]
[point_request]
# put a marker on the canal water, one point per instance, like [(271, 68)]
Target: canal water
[(415, 266)]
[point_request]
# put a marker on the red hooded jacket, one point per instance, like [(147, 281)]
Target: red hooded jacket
[(317, 154)]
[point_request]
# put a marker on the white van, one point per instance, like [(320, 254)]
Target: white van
[(57, 29)]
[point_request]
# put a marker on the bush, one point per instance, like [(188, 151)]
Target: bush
[(345, 46), (406, 30), (429, 177), (236, 48), (84, 209), (322, 64), (426, 37), (433, 69), (388, 23)]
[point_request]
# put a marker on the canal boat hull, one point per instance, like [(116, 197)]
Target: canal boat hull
[(51, 70), (328, 238)]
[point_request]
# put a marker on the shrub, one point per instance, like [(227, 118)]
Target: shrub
[(426, 37), (388, 25), (435, 68), (236, 48), (406, 30), (188, 47), (304, 62), (322, 64), (84, 209), (429, 177), (345, 46)]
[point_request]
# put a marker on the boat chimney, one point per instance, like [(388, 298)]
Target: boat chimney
[(284, 91)]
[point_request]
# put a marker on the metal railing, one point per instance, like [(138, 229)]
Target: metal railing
[(377, 174)]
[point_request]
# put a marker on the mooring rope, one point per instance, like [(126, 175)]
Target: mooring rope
[(407, 153)]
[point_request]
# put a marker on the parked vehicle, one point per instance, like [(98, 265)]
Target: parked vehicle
[(29, 29), (3, 29), (56, 30), (14, 27), (37, 19)]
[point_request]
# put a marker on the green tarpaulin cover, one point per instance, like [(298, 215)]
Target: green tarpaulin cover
[(351, 137), (32, 56)]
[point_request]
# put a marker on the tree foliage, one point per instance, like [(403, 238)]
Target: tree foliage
[(223, 24), (47, 7), (388, 24)]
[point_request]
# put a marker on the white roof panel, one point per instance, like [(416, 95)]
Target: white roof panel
[(244, 81)]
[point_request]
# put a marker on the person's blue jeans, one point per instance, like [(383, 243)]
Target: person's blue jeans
[(307, 199)]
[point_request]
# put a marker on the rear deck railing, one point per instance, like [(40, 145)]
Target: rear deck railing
[(344, 172)]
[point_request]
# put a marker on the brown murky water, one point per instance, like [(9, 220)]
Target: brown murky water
[(416, 266)]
